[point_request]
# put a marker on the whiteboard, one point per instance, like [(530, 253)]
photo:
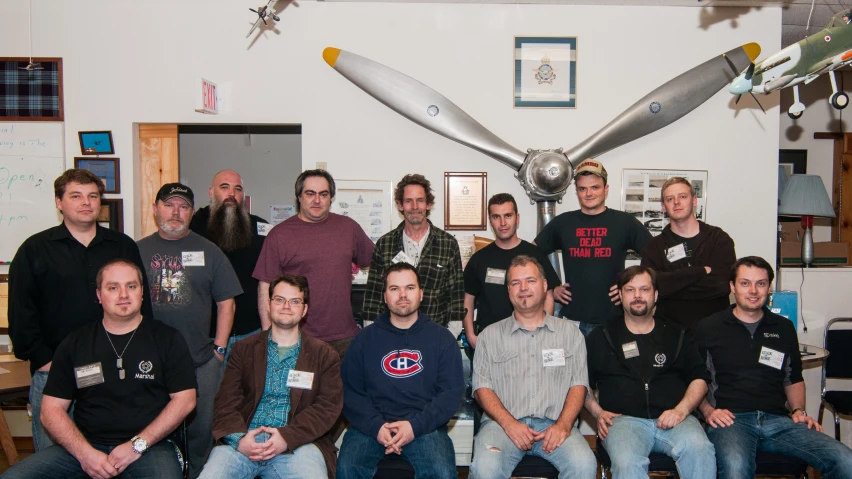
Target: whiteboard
[(31, 157)]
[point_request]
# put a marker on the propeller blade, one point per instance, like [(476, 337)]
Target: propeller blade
[(255, 11), (665, 105), (731, 64), (749, 71), (738, 99), (758, 103), (421, 104), (264, 21)]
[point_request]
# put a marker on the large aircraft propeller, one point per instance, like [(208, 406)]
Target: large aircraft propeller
[(544, 174)]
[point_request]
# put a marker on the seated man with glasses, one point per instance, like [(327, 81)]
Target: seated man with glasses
[(279, 429)]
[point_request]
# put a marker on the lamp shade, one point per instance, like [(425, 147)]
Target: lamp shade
[(805, 195), (782, 181)]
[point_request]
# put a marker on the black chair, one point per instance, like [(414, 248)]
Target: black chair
[(179, 440), (838, 365), (395, 467)]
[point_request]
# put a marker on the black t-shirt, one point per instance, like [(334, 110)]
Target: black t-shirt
[(156, 363), (688, 245), (650, 346), (594, 248), (491, 290), (246, 316)]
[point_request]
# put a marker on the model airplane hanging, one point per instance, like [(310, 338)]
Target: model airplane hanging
[(802, 62), (263, 13), (544, 174)]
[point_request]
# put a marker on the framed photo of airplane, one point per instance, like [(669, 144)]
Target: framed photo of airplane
[(641, 195), (545, 72)]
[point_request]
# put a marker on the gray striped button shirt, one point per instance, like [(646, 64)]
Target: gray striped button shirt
[(509, 361)]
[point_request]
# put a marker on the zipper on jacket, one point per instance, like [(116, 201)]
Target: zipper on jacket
[(647, 400)]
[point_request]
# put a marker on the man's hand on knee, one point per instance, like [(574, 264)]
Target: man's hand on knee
[(522, 435), (554, 436)]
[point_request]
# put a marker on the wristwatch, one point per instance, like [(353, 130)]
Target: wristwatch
[(793, 412), (139, 445), (218, 349)]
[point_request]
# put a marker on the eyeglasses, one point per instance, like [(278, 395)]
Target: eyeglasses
[(293, 302)]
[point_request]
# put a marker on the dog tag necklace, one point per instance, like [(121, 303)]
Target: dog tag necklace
[(118, 362)]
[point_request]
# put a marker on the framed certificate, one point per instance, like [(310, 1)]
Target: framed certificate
[(464, 201)]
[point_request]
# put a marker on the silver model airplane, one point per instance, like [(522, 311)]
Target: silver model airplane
[(262, 14), (544, 174)]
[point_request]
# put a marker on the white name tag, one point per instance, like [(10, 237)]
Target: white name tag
[(771, 358), (300, 379), (495, 276), (192, 258), (88, 375), (676, 253), (263, 229), (631, 349), (553, 357), (401, 257)]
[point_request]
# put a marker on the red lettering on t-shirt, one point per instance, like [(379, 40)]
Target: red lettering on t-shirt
[(603, 252)]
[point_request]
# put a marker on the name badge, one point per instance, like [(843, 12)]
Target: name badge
[(631, 349), (401, 257), (300, 379), (88, 375), (192, 258), (772, 358), (553, 357), (263, 229), (676, 253), (495, 276)]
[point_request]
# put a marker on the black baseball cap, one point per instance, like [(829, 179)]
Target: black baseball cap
[(176, 190)]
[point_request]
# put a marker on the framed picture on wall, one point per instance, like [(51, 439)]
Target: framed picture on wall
[(464, 201), (641, 195), (107, 169), (794, 162), (545, 72), (31, 89), (96, 143), (111, 215)]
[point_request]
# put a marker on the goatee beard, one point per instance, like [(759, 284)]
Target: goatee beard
[(229, 226)]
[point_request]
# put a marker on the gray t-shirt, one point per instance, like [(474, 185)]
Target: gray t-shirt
[(186, 277)]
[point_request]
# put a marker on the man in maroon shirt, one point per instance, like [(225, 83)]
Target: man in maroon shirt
[(320, 246)]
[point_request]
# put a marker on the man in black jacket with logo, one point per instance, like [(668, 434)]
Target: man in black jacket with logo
[(691, 258), (650, 377)]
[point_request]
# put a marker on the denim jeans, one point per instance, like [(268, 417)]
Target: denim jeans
[(585, 328), (631, 440), (233, 339), (41, 440), (199, 425), (54, 462), (495, 455), (225, 462), (737, 445), (431, 455)]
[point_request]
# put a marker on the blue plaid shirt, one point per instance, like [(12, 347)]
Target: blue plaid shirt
[(275, 402)]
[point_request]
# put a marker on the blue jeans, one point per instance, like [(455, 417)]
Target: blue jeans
[(431, 455), (232, 340), (41, 440), (54, 462), (631, 440), (495, 455), (199, 423), (737, 445), (225, 462)]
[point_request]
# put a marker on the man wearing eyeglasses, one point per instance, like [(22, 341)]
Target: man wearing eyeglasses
[(321, 246), (281, 430)]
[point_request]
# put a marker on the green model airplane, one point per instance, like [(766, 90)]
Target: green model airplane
[(804, 61)]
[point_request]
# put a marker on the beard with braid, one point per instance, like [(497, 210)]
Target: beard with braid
[(229, 226)]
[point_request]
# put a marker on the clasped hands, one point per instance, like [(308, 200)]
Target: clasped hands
[(395, 435)]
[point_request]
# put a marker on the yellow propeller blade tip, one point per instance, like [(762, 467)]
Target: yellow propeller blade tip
[(752, 50), (330, 55)]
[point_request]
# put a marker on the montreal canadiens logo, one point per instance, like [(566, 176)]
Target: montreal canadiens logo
[(403, 363)]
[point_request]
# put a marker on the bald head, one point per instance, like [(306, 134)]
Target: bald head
[(227, 188)]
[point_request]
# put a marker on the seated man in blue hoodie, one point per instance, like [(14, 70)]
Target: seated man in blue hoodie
[(402, 382)]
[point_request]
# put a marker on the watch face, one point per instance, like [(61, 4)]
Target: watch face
[(140, 445)]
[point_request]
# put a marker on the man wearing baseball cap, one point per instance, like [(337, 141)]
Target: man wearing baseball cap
[(187, 273), (594, 241)]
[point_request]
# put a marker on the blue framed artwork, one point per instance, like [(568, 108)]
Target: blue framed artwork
[(96, 143), (107, 169), (545, 72)]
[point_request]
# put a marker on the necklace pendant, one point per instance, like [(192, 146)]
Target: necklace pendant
[(119, 364), (120, 373)]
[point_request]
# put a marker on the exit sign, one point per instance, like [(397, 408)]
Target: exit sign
[(207, 100)]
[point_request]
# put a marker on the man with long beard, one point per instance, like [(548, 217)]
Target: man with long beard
[(228, 224)]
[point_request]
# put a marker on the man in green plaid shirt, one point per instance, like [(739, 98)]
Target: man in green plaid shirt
[(431, 250)]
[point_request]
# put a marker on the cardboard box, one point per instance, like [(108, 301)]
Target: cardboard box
[(791, 231), (825, 254)]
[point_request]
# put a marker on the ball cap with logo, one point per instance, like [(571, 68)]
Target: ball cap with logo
[(176, 190), (591, 166)]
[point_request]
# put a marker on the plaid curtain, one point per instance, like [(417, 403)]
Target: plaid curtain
[(29, 93)]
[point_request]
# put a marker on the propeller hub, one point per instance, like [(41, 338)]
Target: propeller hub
[(546, 174)]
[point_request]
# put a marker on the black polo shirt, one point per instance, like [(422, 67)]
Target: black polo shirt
[(742, 379), (52, 289), (246, 316)]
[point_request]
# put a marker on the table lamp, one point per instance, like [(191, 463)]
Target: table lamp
[(805, 196)]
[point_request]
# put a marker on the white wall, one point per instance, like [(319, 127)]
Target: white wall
[(135, 62)]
